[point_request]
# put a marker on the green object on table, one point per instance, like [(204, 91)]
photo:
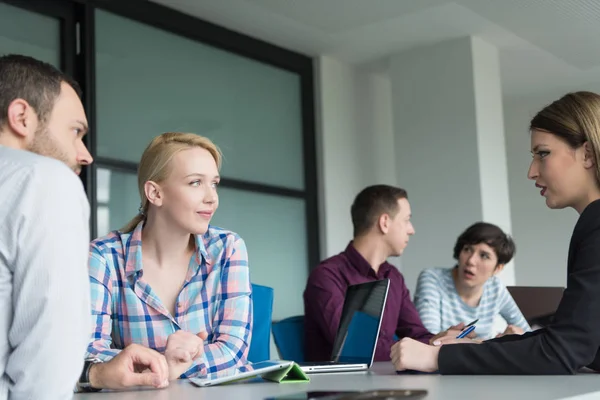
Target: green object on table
[(291, 374)]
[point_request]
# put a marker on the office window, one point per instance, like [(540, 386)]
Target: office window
[(150, 81), (41, 39), (155, 82), (274, 232), (144, 70), (117, 198)]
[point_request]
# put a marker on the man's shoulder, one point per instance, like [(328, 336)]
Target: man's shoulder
[(333, 264), (29, 160), (31, 184), (329, 271), (9, 155), (34, 169), (48, 169)]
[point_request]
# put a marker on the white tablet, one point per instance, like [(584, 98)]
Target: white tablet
[(243, 372)]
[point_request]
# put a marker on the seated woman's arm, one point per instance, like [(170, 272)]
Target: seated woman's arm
[(428, 301), (229, 341), (511, 312)]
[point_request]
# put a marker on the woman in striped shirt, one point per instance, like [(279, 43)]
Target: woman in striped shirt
[(471, 290)]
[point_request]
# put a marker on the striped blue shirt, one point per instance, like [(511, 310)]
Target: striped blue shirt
[(440, 306)]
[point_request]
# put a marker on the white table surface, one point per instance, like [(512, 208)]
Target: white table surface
[(382, 376)]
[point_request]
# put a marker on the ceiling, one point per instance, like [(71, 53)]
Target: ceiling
[(545, 45)]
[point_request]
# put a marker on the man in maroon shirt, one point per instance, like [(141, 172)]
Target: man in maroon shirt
[(381, 218)]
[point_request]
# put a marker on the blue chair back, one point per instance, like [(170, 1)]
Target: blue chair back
[(289, 338), (262, 310)]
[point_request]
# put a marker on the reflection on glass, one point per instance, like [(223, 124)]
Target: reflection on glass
[(359, 325), (273, 228), (117, 198), (41, 38), (156, 82)]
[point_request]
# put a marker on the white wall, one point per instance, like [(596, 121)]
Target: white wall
[(541, 235), (427, 142), (493, 174), (442, 139), (354, 143), (356, 148)]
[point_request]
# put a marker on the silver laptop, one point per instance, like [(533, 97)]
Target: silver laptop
[(356, 338)]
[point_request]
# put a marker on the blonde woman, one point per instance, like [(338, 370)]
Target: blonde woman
[(565, 144), (168, 280)]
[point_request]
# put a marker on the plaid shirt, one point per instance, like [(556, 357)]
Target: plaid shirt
[(215, 298)]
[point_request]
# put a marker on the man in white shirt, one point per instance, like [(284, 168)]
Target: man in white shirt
[(44, 235)]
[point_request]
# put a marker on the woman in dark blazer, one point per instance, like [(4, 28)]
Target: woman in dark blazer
[(565, 143)]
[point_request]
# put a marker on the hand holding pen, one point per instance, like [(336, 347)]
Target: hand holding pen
[(462, 337), (452, 332), (467, 329)]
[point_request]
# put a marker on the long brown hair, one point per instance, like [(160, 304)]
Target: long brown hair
[(155, 164), (575, 118)]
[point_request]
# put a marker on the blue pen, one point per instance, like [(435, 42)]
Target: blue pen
[(466, 332)]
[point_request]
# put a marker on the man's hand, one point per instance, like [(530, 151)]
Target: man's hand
[(135, 365), (182, 349), (511, 330), (413, 355), (451, 333)]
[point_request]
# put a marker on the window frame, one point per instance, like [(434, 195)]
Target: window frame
[(78, 59)]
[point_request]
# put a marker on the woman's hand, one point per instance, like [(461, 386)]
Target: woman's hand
[(451, 333), (182, 349), (511, 330)]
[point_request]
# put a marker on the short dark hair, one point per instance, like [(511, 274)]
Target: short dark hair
[(35, 81), (490, 234), (373, 201)]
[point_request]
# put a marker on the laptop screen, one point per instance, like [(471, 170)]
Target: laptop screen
[(360, 322)]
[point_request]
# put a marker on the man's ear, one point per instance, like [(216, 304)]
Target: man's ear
[(21, 118), (498, 269), (589, 161), (384, 223), (154, 193)]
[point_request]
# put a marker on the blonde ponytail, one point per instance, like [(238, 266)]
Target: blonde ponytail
[(130, 226)]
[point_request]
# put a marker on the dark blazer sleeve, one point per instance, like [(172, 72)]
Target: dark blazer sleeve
[(568, 344)]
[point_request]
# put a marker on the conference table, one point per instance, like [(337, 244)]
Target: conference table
[(382, 376)]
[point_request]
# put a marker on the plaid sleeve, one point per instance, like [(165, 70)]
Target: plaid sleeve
[(232, 326), (101, 289)]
